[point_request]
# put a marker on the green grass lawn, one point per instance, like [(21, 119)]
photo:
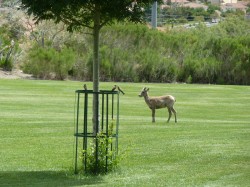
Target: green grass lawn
[(209, 146)]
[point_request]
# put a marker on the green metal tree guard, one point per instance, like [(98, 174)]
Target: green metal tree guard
[(108, 118)]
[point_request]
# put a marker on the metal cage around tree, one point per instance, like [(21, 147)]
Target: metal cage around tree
[(100, 148)]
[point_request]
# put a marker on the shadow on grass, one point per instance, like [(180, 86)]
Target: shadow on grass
[(46, 178)]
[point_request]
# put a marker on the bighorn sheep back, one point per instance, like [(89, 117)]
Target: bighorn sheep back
[(166, 101)]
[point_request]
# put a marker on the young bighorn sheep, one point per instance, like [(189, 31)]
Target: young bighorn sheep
[(166, 101)]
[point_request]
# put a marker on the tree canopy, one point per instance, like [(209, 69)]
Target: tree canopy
[(84, 13)]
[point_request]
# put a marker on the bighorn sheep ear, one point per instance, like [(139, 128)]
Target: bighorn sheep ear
[(147, 89), (144, 89)]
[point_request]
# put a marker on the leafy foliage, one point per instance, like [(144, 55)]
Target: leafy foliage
[(208, 55), (47, 63), (7, 48), (106, 159), (134, 53), (84, 13), (179, 14), (11, 32)]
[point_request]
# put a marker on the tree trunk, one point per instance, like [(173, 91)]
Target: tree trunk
[(96, 33)]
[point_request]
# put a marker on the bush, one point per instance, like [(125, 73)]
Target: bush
[(107, 160), (6, 64), (47, 63), (199, 18), (182, 20), (63, 63), (7, 49), (101, 156)]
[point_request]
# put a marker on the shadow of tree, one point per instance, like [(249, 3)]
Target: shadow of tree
[(46, 178)]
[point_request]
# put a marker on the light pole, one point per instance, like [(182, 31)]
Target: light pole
[(154, 15)]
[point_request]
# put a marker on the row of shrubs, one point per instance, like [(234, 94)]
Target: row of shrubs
[(135, 53)]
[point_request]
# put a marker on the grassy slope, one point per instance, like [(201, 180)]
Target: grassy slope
[(208, 147)]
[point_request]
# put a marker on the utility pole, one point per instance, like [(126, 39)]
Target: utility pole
[(154, 15)]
